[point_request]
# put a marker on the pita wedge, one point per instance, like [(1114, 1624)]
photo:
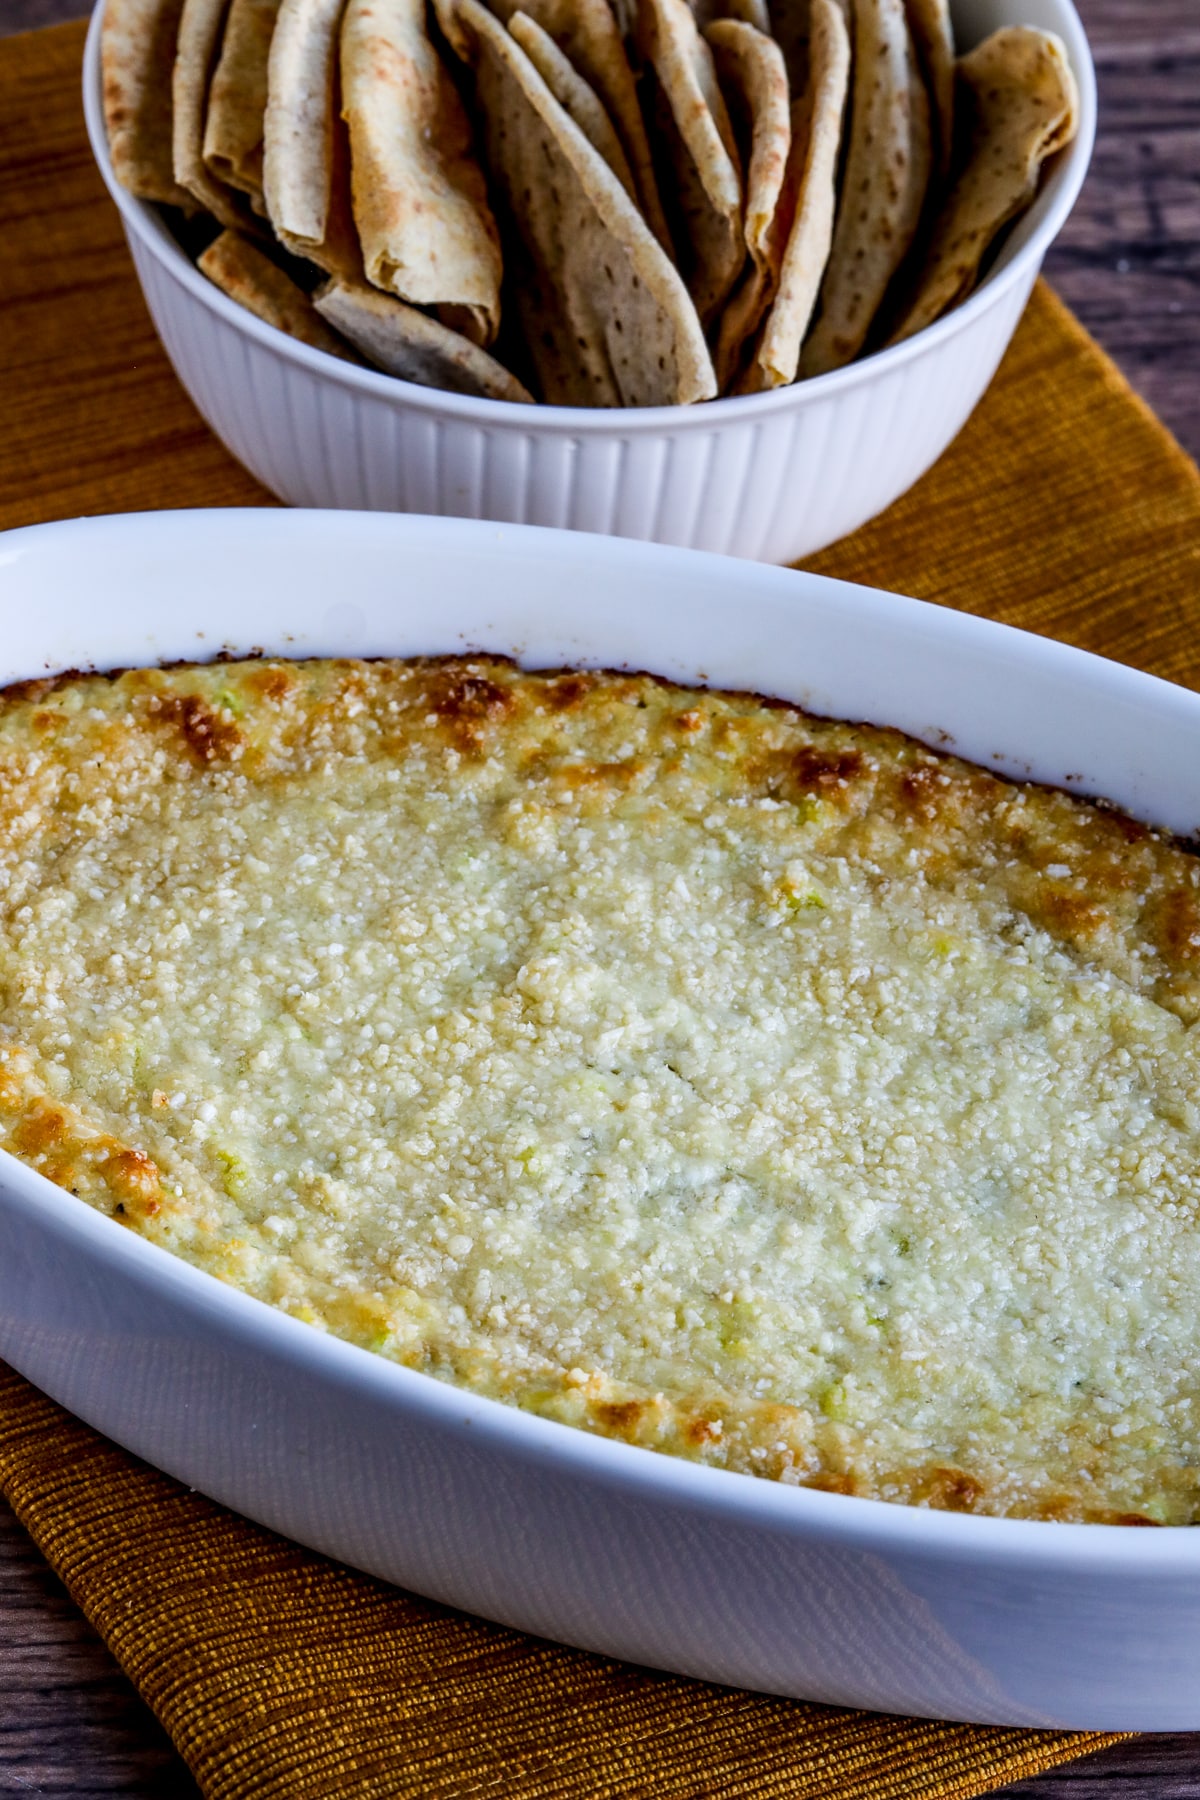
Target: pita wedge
[(607, 318), (790, 29), (237, 99), (750, 12), (884, 187), (419, 197), (241, 270), (306, 149), (587, 33), (402, 341), (200, 26), (577, 98), (817, 128), (137, 53), (1025, 106), (933, 35), (754, 78), (700, 150)]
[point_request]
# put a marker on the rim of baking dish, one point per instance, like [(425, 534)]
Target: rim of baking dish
[(1037, 232)]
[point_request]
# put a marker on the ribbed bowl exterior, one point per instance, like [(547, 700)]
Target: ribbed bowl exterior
[(775, 487), (773, 477)]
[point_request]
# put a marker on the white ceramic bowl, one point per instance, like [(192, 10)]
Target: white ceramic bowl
[(614, 1548), (774, 476)]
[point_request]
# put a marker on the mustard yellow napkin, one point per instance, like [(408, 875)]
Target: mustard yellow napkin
[(1064, 507), (282, 1676)]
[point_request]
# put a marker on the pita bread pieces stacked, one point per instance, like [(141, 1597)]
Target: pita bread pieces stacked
[(137, 56), (1023, 106), (607, 318), (754, 76), (588, 36), (808, 202), (237, 99), (306, 149), (595, 202)]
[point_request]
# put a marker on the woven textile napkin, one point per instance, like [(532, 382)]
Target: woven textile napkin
[(282, 1676), (1063, 507)]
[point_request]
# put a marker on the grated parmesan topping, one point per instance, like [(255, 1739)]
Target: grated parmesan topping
[(569, 1055)]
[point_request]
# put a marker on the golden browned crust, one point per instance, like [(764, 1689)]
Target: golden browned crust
[(1103, 884)]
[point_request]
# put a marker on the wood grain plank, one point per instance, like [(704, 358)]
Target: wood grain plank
[(1165, 1767), (1128, 262), (70, 1724), (131, 439)]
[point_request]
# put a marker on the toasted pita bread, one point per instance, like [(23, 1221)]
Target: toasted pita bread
[(921, 152), (607, 318), (884, 186), (241, 270), (817, 129), (306, 149), (237, 99), (402, 341), (1024, 103), (587, 33), (791, 27), (750, 12), (753, 77), (700, 150), (419, 197), (200, 26), (137, 53), (933, 34), (579, 100)]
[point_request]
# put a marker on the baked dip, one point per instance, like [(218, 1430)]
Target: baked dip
[(773, 1092)]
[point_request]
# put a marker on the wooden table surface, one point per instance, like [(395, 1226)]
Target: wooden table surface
[(1129, 265)]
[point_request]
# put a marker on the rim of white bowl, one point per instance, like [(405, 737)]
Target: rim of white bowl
[(1055, 202), (1162, 1555)]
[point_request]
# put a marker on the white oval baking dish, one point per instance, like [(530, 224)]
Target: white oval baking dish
[(570, 1536), (773, 476)]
